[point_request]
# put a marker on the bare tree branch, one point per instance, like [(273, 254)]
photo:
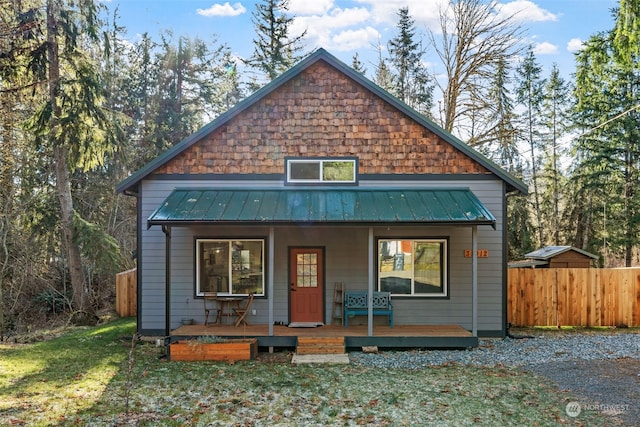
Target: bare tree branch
[(474, 38)]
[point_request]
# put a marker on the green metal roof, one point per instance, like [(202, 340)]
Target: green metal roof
[(322, 206)]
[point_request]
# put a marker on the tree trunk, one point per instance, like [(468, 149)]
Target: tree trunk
[(63, 180), (534, 178), (629, 211), (556, 192), (7, 104), (74, 260)]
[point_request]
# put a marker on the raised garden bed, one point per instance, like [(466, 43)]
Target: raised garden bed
[(223, 350)]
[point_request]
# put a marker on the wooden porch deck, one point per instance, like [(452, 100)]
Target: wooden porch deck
[(400, 336)]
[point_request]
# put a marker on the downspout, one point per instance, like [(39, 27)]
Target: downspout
[(474, 281), (270, 284), (370, 293), (167, 281)]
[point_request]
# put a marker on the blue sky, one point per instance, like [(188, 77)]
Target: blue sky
[(554, 27)]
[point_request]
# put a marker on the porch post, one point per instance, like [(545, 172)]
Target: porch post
[(370, 293), (474, 281), (167, 280), (270, 278)]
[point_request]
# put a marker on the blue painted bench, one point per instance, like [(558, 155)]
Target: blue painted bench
[(355, 303)]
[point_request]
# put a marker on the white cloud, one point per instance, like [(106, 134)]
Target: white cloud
[(310, 7), (575, 45), (223, 10), (355, 39), (427, 16), (320, 28), (525, 11), (545, 48)]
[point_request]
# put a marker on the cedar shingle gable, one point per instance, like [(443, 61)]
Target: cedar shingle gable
[(321, 112)]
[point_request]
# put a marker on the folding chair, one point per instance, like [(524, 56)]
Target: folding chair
[(241, 312), (211, 296)]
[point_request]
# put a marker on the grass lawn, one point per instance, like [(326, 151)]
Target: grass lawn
[(87, 377)]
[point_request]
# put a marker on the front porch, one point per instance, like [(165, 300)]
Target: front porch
[(400, 336)]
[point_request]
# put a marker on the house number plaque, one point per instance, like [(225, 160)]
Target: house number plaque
[(482, 253)]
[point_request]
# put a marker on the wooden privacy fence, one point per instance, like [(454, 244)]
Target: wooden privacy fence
[(126, 296), (573, 297)]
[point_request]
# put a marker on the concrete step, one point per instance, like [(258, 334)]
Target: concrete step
[(320, 358)]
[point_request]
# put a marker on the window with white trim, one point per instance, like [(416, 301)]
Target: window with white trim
[(230, 266), (413, 267), (331, 170)]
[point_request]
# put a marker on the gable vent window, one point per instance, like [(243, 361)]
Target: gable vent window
[(325, 170)]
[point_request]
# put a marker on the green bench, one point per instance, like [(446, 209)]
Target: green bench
[(355, 303)]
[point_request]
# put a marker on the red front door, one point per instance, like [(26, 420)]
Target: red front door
[(306, 290)]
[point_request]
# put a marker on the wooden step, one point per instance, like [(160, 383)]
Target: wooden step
[(320, 345)]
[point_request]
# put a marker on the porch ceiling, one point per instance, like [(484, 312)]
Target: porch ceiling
[(322, 206)]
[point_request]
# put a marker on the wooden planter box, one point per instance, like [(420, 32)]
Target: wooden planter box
[(230, 350)]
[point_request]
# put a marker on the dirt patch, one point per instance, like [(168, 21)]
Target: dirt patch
[(282, 356), (611, 387)]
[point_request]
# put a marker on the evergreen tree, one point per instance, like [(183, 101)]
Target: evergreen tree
[(275, 49), (191, 82), (529, 93), (608, 153), (411, 81), (357, 65), (520, 231), (499, 141), (72, 123), (626, 34), (383, 76), (555, 115)]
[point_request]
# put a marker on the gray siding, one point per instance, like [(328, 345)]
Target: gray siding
[(346, 251)]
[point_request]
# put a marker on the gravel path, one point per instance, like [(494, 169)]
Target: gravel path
[(603, 371), (608, 386)]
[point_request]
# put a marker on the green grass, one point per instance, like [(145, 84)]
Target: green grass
[(84, 378), (43, 383)]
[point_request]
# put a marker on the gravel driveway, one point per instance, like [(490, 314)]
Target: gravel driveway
[(608, 386), (602, 371)]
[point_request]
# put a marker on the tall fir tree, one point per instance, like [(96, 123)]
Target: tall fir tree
[(529, 94), (275, 48), (555, 118), (73, 123), (608, 151), (411, 81), (499, 141)]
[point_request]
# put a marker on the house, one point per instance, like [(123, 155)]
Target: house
[(323, 177), (556, 257)]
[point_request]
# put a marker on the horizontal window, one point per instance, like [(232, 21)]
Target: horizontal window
[(321, 170), (230, 267), (413, 267)]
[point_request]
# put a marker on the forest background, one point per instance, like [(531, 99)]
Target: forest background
[(81, 108)]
